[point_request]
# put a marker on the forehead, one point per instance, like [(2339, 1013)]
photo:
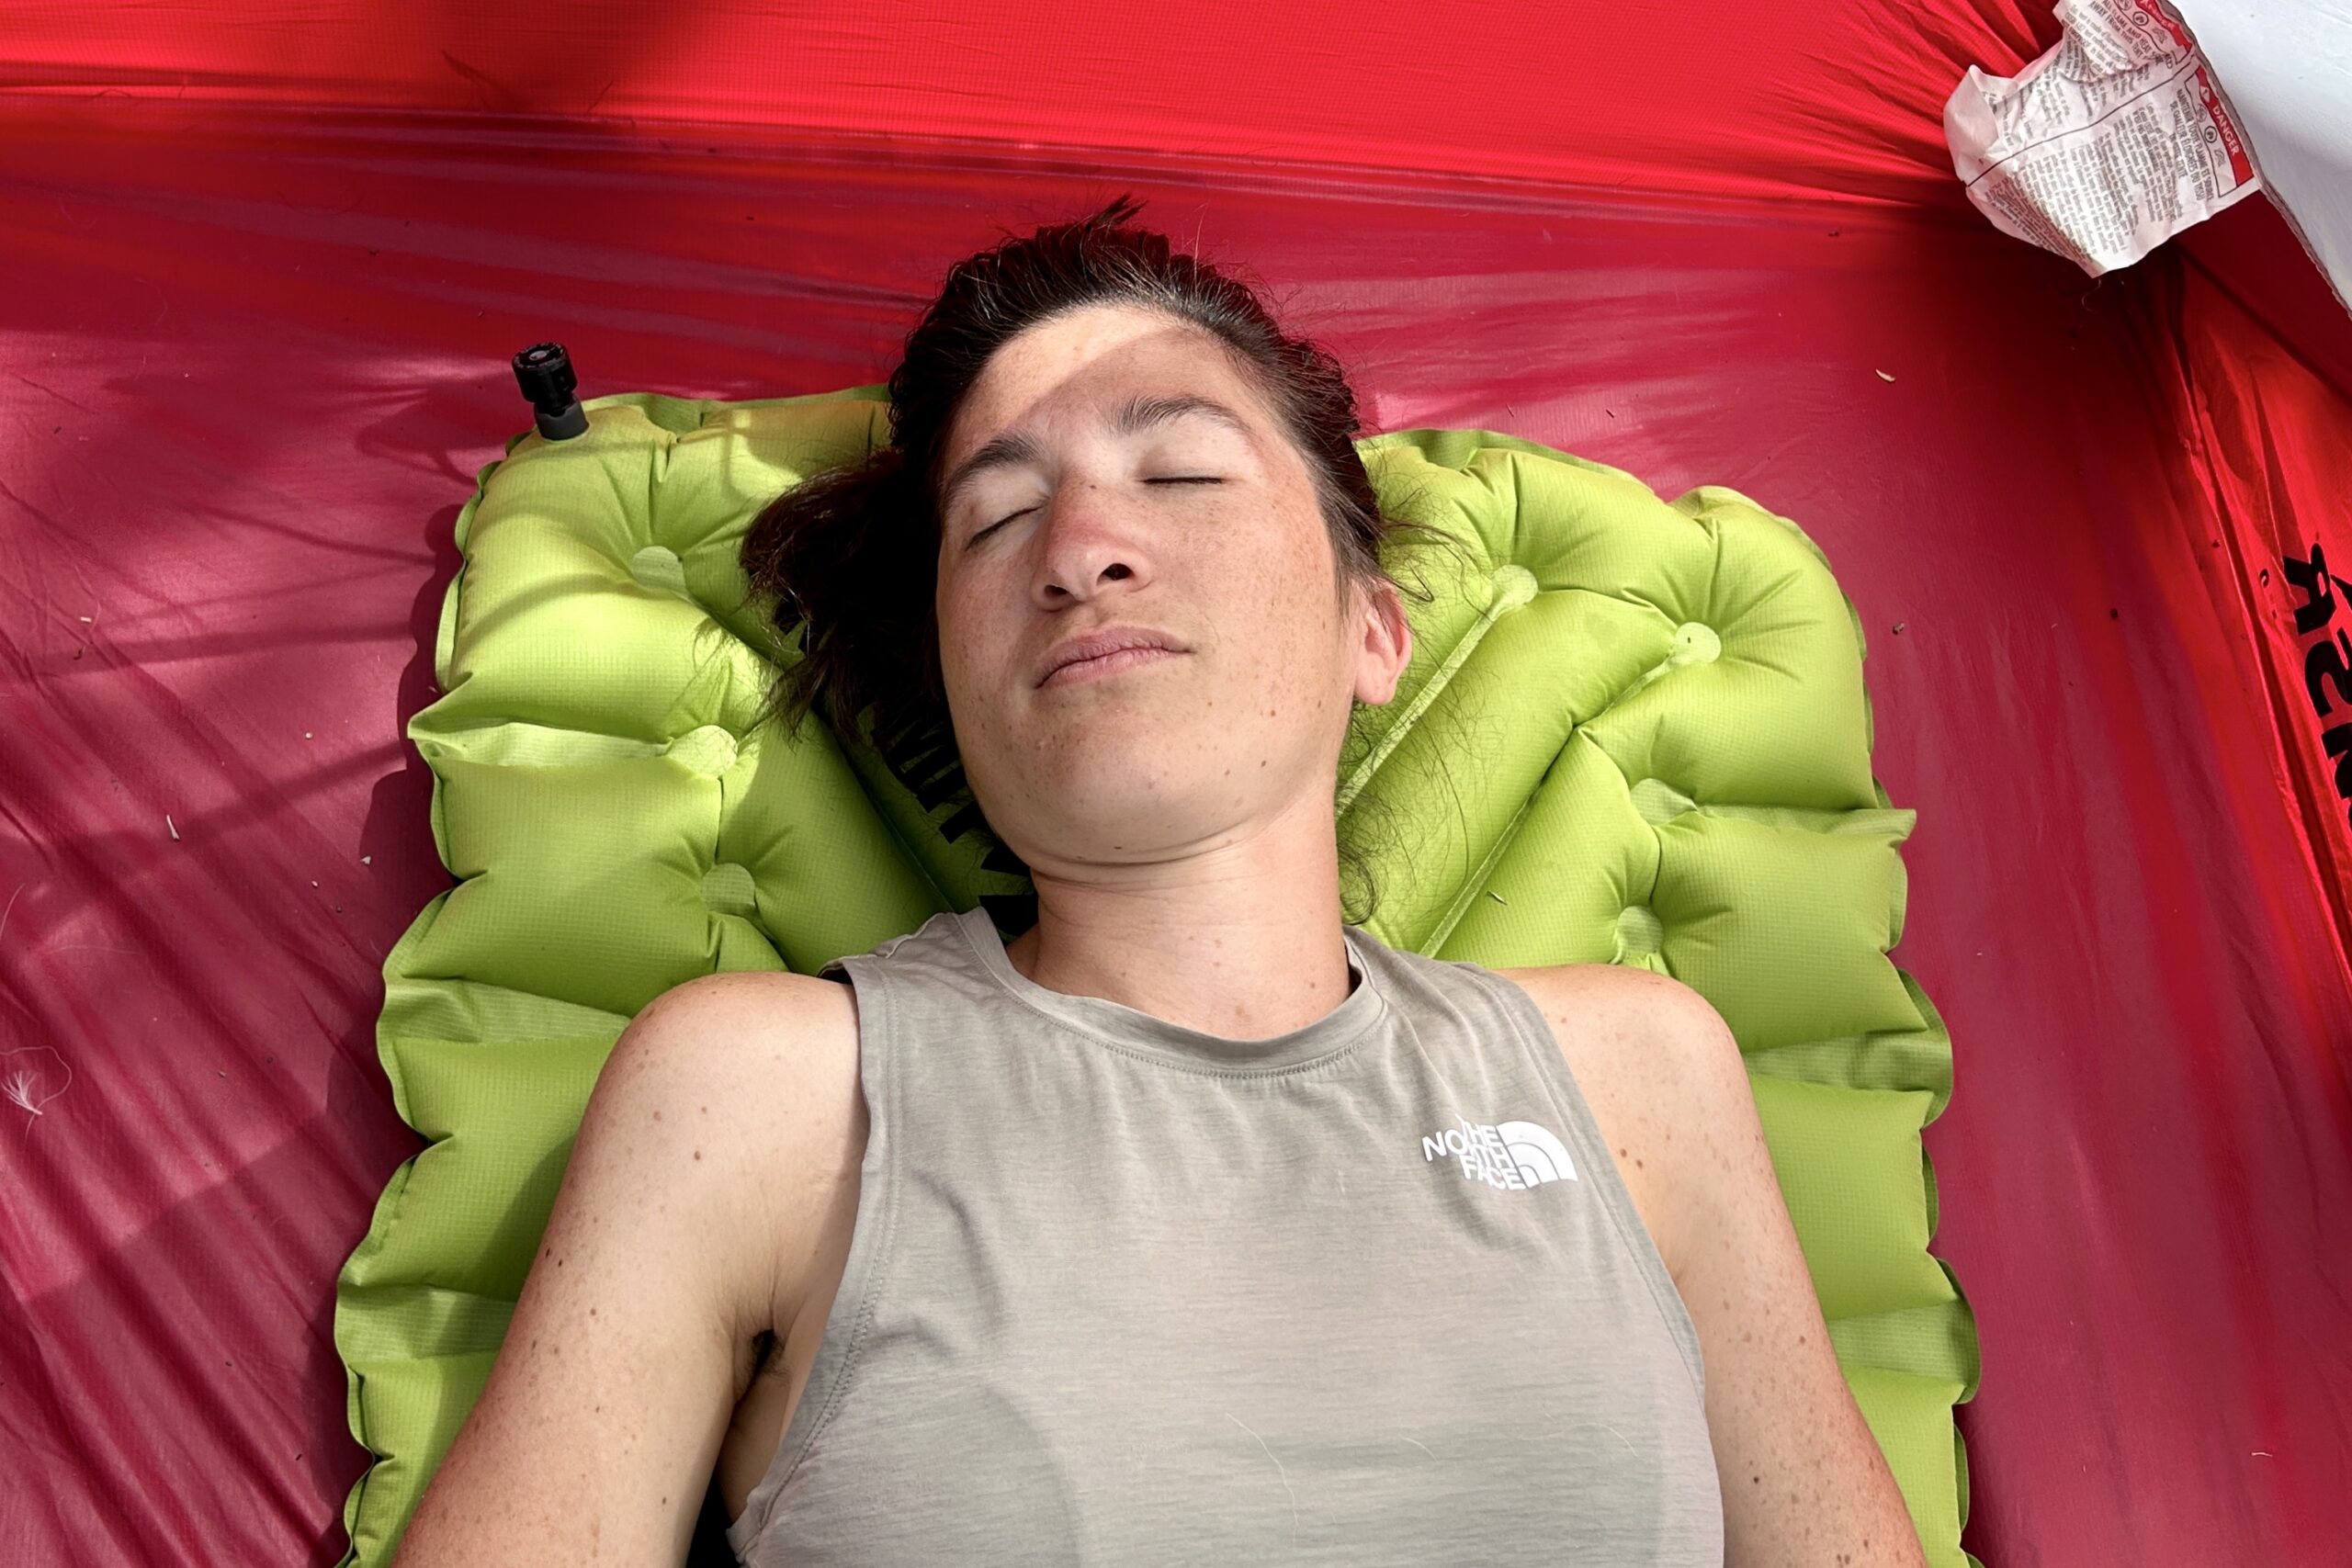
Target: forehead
[(1079, 365)]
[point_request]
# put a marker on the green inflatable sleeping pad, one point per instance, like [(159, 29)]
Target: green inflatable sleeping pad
[(1647, 742)]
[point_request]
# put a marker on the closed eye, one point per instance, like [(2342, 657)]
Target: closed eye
[(998, 524), (1159, 479)]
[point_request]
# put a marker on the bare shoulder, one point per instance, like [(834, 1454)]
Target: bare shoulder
[(692, 1182), (766, 1066), (714, 1014), (1655, 1063), (763, 1041), (1632, 1010)]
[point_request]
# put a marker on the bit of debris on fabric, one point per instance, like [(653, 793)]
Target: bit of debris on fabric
[(23, 1083), (1885, 377)]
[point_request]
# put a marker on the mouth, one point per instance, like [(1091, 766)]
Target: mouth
[(1095, 654), (1104, 666)]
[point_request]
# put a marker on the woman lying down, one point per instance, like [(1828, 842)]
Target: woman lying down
[(1194, 1224)]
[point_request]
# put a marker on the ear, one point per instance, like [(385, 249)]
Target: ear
[(1388, 645)]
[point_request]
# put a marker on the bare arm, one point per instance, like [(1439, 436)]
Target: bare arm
[(1803, 1481), (595, 1438)]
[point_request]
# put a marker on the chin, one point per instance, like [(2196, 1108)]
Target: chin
[(1099, 770)]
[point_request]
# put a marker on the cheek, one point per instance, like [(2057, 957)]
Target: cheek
[(1282, 591), (954, 644), (955, 607), (1302, 564)]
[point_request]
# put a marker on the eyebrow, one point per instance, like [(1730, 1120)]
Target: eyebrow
[(1144, 411), (1141, 411)]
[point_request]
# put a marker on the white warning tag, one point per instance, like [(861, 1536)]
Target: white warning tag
[(2106, 146)]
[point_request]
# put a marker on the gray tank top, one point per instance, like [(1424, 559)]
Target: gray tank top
[(1123, 1292)]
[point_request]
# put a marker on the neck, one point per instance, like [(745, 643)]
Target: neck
[(1243, 944)]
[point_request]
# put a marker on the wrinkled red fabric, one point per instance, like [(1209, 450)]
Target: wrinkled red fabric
[(260, 273)]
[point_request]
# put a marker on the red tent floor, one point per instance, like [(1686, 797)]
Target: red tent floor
[(251, 359)]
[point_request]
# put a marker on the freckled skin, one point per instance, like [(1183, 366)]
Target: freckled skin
[(1178, 882), (1171, 876)]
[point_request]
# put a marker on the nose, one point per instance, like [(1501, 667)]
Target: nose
[(1091, 538)]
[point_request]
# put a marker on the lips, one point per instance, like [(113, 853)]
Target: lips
[(1106, 665), (1107, 640)]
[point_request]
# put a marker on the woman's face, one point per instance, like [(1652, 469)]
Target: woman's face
[(1203, 527)]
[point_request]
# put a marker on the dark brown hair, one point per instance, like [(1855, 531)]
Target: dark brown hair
[(850, 556)]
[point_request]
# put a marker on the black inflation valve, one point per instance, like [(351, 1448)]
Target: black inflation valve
[(544, 372)]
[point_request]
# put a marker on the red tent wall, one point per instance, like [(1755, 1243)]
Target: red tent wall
[(263, 270)]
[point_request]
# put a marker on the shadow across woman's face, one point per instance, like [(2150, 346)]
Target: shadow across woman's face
[(1115, 466)]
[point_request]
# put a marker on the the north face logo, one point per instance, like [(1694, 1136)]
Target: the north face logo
[(1502, 1154)]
